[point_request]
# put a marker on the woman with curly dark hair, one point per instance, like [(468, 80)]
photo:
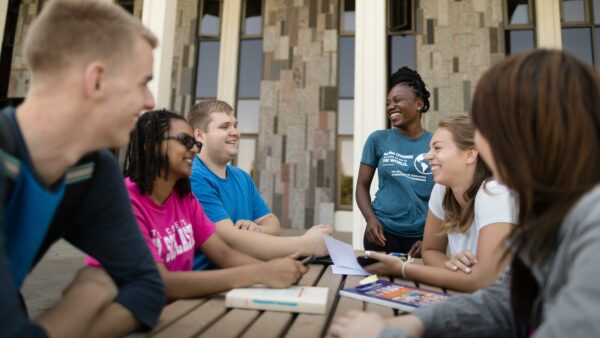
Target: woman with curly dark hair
[(396, 217)]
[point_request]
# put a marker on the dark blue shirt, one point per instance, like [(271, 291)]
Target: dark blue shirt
[(100, 222)]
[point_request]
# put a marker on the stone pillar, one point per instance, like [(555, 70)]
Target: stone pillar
[(296, 143), (370, 90), (159, 16), (457, 41), (19, 75), (185, 45), (547, 18), (229, 54), (3, 12)]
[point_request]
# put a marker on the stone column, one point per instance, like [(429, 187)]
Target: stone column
[(457, 41), (19, 75), (185, 45), (159, 16), (296, 143)]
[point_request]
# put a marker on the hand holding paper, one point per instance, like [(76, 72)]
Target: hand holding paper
[(343, 258)]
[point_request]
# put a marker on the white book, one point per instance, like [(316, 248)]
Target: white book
[(302, 299)]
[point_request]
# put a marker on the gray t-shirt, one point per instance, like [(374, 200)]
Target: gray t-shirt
[(570, 290)]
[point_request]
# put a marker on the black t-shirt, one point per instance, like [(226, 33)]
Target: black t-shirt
[(100, 223)]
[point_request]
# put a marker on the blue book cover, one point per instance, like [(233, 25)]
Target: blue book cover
[(394, 295)]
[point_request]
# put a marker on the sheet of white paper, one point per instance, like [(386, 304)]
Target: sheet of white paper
[(340, 270), (342, 254)]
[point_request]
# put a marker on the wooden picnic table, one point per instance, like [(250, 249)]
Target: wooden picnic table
[(208, 317)]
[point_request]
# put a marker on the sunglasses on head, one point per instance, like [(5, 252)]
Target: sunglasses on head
[(188, 141)]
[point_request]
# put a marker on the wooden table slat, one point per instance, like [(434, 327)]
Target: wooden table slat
[(269, 324), (196, 320), (346, 304), (308, 325), (172, 313), (311, 277), (232, 324)]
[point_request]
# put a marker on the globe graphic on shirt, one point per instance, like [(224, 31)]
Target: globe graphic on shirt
[(422, 165)]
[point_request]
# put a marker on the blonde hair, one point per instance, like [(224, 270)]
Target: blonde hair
[(455, 218), (68, 31), (199, 115)]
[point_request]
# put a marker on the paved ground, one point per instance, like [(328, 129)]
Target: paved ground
[(52, 275)]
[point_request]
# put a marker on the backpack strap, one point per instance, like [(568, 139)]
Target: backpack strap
[(8, 151)]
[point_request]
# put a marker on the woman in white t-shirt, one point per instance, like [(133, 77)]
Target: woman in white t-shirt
[(469, 217)]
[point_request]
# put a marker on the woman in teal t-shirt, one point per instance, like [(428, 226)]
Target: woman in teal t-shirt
[(396, 217)]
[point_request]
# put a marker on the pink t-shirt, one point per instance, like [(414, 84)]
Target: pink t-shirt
[(172, 230)]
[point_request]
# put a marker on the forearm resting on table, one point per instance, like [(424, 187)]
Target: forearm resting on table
[(480, 276), (76, 312), (269, 224), (259, 245), (190, 284), (410, 324)]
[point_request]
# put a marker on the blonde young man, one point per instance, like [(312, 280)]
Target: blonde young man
[(90, 64), (229, 196)]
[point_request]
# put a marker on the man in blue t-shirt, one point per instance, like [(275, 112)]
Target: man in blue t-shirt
[(229, 196), (90, 62)]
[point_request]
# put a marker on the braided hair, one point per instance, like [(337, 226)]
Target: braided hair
[(144, 161), (411, 78)]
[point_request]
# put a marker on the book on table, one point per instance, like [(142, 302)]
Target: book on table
[(301, 299), (397, 296)]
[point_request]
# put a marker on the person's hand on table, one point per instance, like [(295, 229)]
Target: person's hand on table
[(374, 232), (461, 261), (245, 224), (313, 243), (356, 324), (282, 272), (415, 250), (387, 265)]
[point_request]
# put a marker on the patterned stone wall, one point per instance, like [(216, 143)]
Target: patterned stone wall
[(138, 6), (19, 76), (184, 55), (456, 42), (296, 143)]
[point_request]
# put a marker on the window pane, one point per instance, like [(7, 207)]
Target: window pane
[(518, 11), (597, 11), (247, 115), (349, 16), (346, 162), (578, 41), (400, 15), (346, 67), (251, 65), (518, 41), (573, 10), (345, 117), (253, 17), (210, 21), (597, 46), (402, 52), (208, 69), (246, 154)]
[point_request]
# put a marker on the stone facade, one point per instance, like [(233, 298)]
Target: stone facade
[(457, 41), (184, 56), (296, 142), (19, 75)]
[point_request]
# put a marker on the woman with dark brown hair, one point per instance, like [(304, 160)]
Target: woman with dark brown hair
[(538, 128)]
